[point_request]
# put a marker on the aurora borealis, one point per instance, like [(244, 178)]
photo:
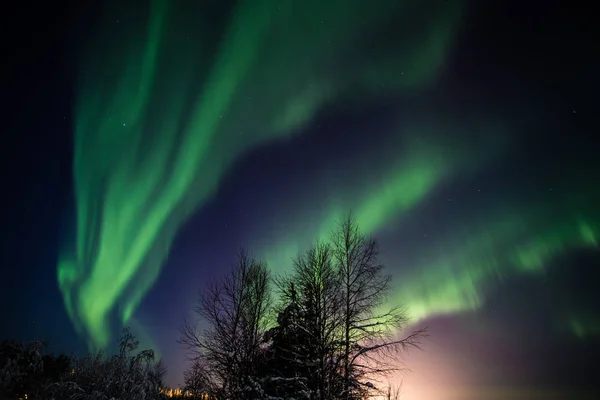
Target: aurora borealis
[(195, 128), (136, 179)]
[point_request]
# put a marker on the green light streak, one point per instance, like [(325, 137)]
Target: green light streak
[(510, 246), (160, 119), (429, 156), (449, 272), (584, 327)]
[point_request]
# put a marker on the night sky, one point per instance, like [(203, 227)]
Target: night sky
[(144, 143)]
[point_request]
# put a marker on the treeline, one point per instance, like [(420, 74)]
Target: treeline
[(323, 332), (27, 373)]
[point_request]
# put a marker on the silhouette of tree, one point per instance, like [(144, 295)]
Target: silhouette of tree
[(334, 337), (305, 339), (21, 368), (197, 380), (56, 368), (393, 392), (370, 345), (131, 374), (234, 311)]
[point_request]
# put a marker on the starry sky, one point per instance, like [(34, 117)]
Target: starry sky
[(145, 142)]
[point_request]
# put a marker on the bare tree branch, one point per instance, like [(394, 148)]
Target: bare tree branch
[(234, 313)]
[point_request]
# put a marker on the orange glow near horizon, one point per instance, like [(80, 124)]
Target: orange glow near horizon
[(178, 392)]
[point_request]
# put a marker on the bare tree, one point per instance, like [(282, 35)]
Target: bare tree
[(393, 392), (130, 374), (196, 380), (370, 347), (234, 312), (312, 291)]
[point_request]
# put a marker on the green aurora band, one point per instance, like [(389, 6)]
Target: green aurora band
[(425, 156), (454, 272), (162, 114)]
